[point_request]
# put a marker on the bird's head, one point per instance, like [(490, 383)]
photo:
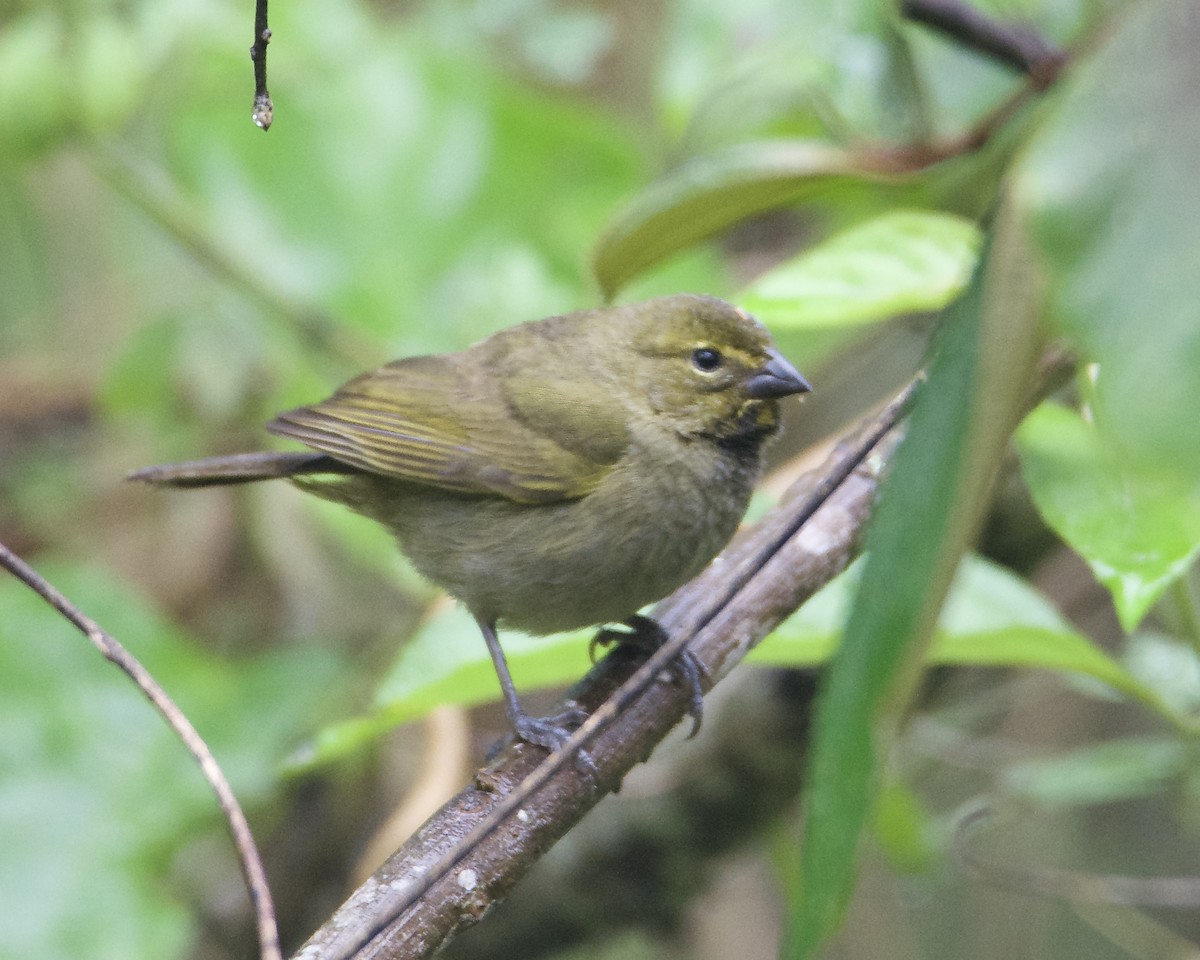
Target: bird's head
[(708, 368)]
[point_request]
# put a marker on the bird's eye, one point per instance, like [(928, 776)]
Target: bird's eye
[(706, 359)]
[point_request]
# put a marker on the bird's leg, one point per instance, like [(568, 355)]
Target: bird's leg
[(549, 732), (646, 635)]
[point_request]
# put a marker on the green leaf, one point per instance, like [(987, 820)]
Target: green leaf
[(1167, 666), (986, 602), (447, 662), (1131, 522), (1110, 183), (991, 618), (904, 261), (448, 658), (707, 194), (929, 509)]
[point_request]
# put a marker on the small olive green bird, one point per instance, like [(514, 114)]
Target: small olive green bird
[(561, 473)]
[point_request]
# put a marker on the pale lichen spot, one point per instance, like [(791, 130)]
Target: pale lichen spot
[(468, 879)]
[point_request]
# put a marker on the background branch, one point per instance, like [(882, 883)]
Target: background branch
[(239, 828), (1015, 45), (1073, 886)]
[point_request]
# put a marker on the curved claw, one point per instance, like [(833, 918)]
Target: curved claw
[(691, 672)]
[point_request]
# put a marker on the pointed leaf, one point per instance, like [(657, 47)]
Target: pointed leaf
[(991, 618), (930, 507), (1111, 186), (904, 261), (709, 193), (1136, 529), (1100, 773)]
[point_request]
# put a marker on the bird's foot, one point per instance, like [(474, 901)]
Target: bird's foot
[(553, 732), (643, 637)]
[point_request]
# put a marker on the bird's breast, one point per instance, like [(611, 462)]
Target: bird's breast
[(654, 522)]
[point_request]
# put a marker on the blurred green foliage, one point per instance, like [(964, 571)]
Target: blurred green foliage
[(97, 797), (169, 277)]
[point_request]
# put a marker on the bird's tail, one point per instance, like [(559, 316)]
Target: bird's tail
[(238, 468)]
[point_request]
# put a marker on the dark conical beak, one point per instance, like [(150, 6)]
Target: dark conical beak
[(777, 378)]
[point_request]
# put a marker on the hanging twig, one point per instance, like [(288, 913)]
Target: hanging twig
[(264, 110)]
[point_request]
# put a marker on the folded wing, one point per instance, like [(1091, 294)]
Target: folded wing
[(459, 426)]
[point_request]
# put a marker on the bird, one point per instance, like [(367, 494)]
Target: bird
[(561, 473)]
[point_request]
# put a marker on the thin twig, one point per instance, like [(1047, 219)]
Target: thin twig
[(239, 828), (899, 159), (264, 110), (1016, 45), (721, 615), (1072, 886)]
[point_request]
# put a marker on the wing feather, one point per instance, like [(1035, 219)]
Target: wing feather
[(461, 423)]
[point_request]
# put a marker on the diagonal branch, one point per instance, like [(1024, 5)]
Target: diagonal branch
[(640, 863)]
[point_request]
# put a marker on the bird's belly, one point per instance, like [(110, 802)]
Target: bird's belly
[(591, 566), (566, 565)]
